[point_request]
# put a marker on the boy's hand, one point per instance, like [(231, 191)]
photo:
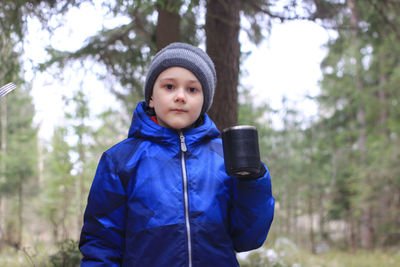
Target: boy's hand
[(253, 176)]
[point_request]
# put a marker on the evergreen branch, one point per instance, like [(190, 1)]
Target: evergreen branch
[(281, 17), (387, 21)]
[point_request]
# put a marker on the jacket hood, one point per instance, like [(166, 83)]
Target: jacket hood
[(143, 127)]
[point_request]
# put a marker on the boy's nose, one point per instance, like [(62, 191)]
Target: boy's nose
[(180, 95)]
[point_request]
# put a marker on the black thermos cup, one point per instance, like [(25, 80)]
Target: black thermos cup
[(241, 151)]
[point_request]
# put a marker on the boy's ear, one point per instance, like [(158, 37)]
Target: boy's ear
[(151, 104)]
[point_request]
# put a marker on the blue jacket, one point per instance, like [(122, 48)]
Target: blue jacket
[(161, 198)]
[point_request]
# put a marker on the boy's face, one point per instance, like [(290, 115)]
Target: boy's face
[(177, 98)]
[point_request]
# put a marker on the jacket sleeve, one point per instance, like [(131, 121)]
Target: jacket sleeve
[(102, 236), (252, 213)]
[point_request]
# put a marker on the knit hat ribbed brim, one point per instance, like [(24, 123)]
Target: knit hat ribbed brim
[(189, 57)]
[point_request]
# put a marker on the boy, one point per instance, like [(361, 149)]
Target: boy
[(162, 196)]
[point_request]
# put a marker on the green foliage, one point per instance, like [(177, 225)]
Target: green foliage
[(11, 20), (18, 170), (356, 97), (58, 192), (21, 137), (113, 129), (258, 117), (170, 6), (67, 255), (126, 50)]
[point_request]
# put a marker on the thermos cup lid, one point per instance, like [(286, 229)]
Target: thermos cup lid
[(240, 127)]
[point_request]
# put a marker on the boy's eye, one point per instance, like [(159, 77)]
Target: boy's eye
[(192, 89), (169, 86)]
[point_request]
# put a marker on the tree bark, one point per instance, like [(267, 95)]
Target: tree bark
[(383, 114), (81, 178), (222, 32), (310, 197), (352, 231), (168, 23), (3, 205), (20, 212)]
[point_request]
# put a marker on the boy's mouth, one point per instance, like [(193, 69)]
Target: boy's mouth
[(179, 110)]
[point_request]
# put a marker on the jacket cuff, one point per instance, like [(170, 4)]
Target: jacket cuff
[(254, 176)]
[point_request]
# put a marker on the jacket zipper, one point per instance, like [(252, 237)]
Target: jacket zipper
[(186, 195)]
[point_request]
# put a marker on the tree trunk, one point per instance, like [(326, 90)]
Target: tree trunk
[(383, 116), (352, 231), (222, 32), (81, 179), (310, 209), (3, 205), (321, 215), (367, 234), (369, 227), (384, 216), (40, 164), (20, 212), (168, 23)]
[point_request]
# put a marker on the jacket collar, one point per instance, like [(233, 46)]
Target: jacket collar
[(143, 127)]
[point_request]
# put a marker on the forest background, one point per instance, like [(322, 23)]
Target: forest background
[(336, 175)]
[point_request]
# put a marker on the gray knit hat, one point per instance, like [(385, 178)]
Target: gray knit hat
[(188, 57)]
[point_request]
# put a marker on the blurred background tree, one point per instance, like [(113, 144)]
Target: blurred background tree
[(17, 169), (126, 50)]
